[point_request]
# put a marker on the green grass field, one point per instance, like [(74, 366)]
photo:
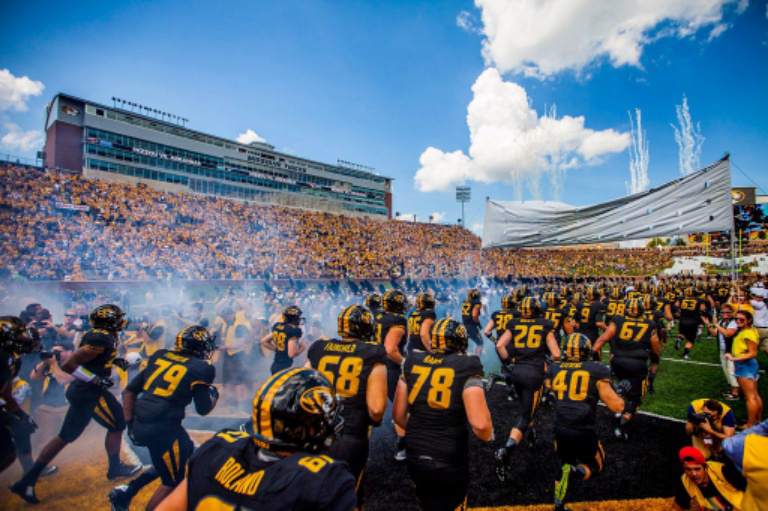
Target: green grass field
[(679, 383)]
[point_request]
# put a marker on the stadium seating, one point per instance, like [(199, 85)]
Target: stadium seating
[(59, 226)]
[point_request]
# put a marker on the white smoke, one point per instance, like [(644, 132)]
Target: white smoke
[(639, 155), (688, 138)]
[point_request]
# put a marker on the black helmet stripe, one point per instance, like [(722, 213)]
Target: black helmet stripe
[(262, 422)]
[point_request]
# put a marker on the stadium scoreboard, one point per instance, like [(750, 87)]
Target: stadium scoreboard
[(117, 144)]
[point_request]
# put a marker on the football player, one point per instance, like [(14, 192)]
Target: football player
[(615, 306), (578, 384), (154, 403), (373, 303), (390, 330), (526, 342), (420, 322), (356, 368), (470, 318), (633, 342), (591, 315), (439, 393), (692, 308), (498, 324), (281, 465), (15, 340), (89, 398), (554, 312), (285, 339)]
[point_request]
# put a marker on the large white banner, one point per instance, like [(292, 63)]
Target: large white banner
[(699, 202)]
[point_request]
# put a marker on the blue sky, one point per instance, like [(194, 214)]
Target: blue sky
[(378, 84)]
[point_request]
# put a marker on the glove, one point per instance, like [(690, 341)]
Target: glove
[(597, 356), (214, 392), (104, 383), (121, 363), (622, 387), (129, 430)]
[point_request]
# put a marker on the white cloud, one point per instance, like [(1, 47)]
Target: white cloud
[(477, 228), (19, 140), (717, 30), (15, 91), (406, 217), (510, 142), (543, 38), (438, 216), (466, 22), (249, 136)]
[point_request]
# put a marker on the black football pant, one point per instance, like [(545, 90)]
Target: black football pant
[(635, 371), (689, 330), (86, 404), (393, 376), (7, 446), (580, 447), (354, 450), (439, 486), (527, 380), (169, 447)]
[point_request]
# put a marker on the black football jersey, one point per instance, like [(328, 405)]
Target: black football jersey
[(9, 367), (281, 334), (437, 424), (500, 320), (165, 387), (633, 337), (387, 320), (466, 312), (347, 365), (576, 396), (691, 310), (529, 341), (105, 344), (415, 319), (613, 309), (229, 472), (588, 315), (556, 315)]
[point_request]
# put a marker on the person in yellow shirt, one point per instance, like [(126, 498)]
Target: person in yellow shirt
[(744, 356), (710, 484), (749, 453), (234, 331)]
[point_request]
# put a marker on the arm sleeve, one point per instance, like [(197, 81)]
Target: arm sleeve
[(201, 393)]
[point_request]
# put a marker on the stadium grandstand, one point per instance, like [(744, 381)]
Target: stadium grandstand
[(134, 143)]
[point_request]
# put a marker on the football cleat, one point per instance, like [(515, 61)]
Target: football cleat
[(119, 500), (122, 470), (25, 491)]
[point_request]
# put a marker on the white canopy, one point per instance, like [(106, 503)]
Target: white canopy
[(699, 202)]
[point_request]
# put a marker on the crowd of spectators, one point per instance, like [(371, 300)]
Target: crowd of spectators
[(57, 226)]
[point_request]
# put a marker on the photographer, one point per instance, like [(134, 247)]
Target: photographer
[(72, 327), (53, 380), (709, 423), (725, 329)]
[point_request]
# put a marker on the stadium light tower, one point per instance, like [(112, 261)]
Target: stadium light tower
[(463, 195)]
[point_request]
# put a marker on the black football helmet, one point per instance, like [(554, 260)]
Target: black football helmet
[(296, 410), (355, 322), (292, 315), (108, 317), (578, 348), (373, 301), (634, 308), (394, 300), (425, 301), (508, 302), (196, 341), (530, 307), (616, 293), (448, 336), (473, 295), (16, 338)]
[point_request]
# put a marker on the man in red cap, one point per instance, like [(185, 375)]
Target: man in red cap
[(712, 485)]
